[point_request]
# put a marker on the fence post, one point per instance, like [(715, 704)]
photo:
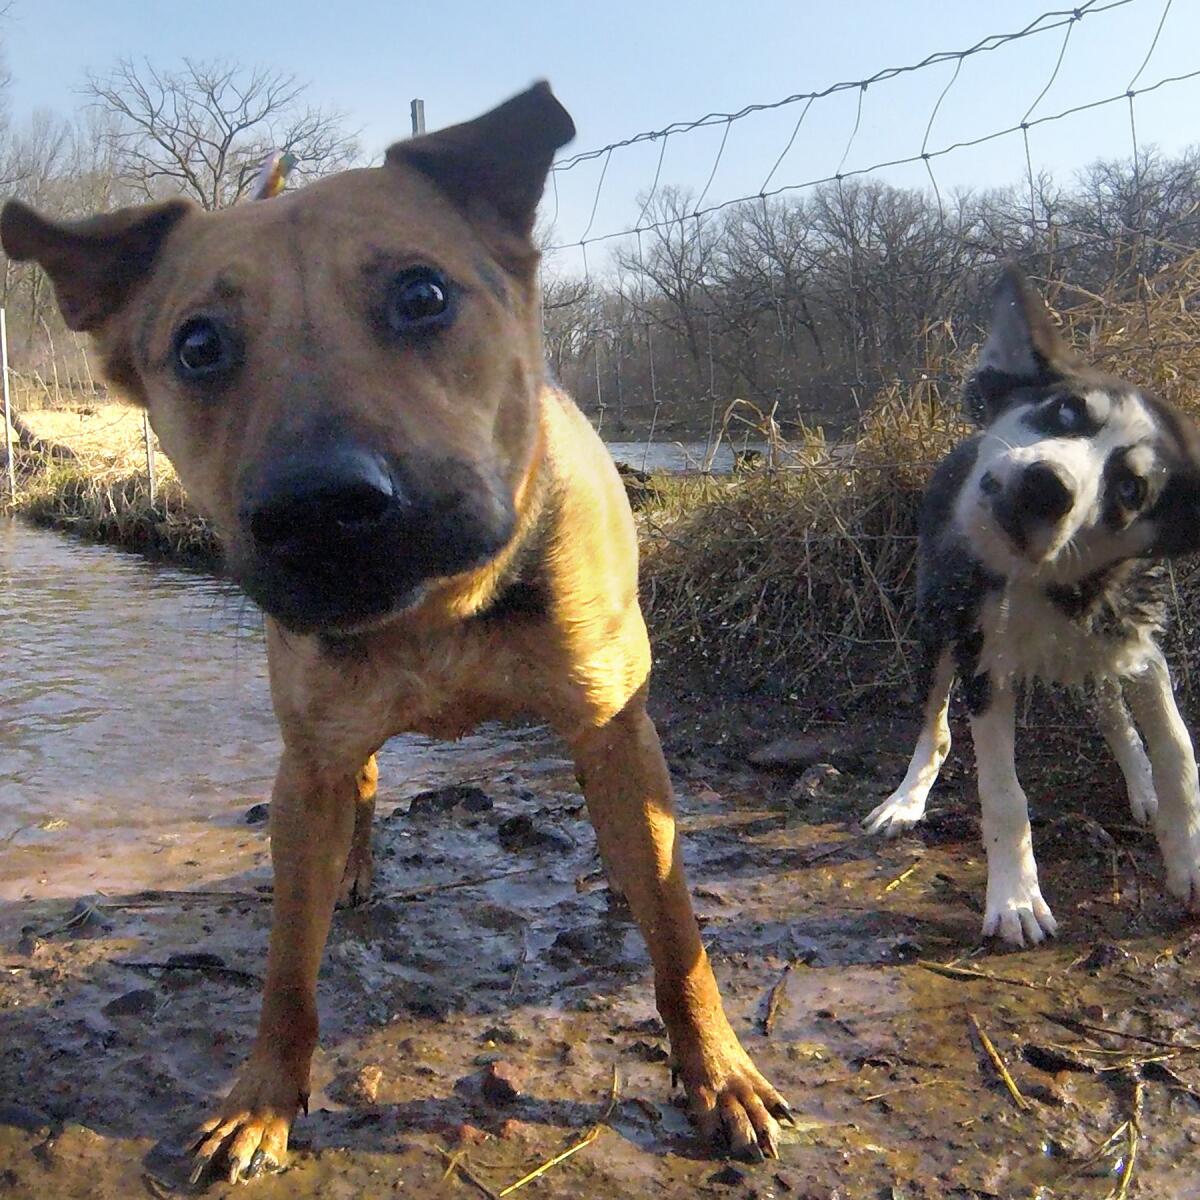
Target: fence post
[(418, 117), (8, 429), (148, 436)]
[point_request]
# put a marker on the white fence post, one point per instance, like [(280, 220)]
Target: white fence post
[(148, 435), (8, 429)]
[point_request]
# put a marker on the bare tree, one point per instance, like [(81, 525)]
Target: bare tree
[(203, 129)]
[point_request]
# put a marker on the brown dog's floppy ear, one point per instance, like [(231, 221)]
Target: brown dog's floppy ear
[(94, 264), (501, 158), (1023, 349)]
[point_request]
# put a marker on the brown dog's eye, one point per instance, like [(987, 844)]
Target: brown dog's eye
[(419, 300), (203, 349)]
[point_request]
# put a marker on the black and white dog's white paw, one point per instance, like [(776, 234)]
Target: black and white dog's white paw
[(1143, 803), (1015, 911), (1181, 855), (897, 814)]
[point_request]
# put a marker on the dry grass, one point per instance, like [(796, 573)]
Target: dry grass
[(101, 490), (103, 434), (798, 574), (114, 506)]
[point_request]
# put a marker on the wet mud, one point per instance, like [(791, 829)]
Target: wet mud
[(491, 1006)]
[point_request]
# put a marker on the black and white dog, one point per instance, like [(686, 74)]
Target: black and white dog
[(1041, 547)]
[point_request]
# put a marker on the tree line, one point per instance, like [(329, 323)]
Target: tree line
[(808, 306)]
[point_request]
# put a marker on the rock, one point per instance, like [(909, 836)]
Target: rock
[(1104, 954), (650, 1052), (257, 814), (729, 1175), (196, 959), (821, 779), (503, 1035), (86, 914), (521, 833), (465, 1134), (801, 750), (512, 1130), (446, 799), (358, 1087), (137, 1003), (502, 1083), (30, 941)]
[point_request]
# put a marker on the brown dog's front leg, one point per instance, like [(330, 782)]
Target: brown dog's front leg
[(629, 798), (312, 815), (355, 887)]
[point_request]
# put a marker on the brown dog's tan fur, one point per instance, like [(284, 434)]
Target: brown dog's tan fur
[(297, 276)]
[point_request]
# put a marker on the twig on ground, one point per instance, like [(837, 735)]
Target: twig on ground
[(156, 899), (998, 1062), (952, 972), (776, 999), (1133, 1136), (432, 889), (232, 973), (586, 1140), (895, 883), (455, 1163), (830, 851), (1077, 1026)]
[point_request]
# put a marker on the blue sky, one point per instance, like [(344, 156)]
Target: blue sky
[(624, 67)]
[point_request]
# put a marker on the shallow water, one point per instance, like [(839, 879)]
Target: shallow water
[(134, 716)]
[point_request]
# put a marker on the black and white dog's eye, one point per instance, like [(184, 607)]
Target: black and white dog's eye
[(419, 299), (1067, 415), (204, 350), (1131, 491)]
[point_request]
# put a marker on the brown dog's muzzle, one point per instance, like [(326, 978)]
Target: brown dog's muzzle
[(333, 537)]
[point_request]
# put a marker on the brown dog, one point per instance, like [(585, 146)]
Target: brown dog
[(349, 380)]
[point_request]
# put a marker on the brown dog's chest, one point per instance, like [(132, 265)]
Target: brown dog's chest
[(438, 683)]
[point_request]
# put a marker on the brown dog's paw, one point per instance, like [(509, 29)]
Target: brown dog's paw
[(355, 887), (250, 1133), (734, 1107)]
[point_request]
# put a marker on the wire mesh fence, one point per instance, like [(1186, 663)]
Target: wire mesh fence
[(808, 300)]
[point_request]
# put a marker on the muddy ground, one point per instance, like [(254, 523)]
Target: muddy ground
[(492, 938)]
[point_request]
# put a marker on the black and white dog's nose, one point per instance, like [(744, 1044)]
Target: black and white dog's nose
[(1042, 493), (308, 505)]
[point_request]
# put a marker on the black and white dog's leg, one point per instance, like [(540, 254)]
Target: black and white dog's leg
[(1173, 761), (1126, 744), (1015, 910), (906, 805)]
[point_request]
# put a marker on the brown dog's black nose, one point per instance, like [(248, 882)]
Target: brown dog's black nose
[(309, 506), (1042, 494)]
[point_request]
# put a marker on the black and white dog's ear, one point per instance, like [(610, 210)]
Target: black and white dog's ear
[(1023, 349)]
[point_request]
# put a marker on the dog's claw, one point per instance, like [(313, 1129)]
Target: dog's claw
[(732, 1104), (250, 1134)]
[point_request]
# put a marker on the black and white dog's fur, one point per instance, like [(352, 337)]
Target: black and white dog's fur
[(1041, 547)]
